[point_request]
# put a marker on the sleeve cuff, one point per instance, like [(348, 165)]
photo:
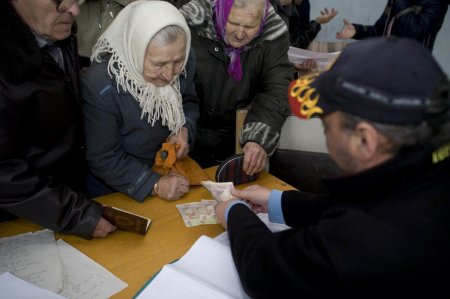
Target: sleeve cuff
[(234, 202), (275, 209), (262, 134)]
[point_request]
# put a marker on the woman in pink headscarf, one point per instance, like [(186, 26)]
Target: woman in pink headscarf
[(241, 48)]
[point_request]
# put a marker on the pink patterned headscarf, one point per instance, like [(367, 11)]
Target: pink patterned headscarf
[(221, 10)]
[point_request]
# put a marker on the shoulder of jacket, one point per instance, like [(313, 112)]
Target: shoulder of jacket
[(98, 78)]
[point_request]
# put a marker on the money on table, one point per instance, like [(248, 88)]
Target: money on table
[(198, 213)]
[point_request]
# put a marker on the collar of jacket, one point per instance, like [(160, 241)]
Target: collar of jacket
[(199, 16), (405, 169)]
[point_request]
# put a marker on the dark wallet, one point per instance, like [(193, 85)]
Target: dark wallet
[(230, 170)]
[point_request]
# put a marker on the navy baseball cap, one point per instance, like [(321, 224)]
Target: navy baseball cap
[(385, 80)]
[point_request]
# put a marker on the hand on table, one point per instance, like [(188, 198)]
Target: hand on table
[(182, 140), (348, 31), (254, 158), (103, 228), (172, 186)]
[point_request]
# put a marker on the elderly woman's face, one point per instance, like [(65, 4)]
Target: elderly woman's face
[(242, 25), (162, 63)]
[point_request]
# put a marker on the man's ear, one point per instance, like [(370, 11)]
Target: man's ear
[(365, 141)]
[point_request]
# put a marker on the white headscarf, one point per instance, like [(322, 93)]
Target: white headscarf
[(126, 39)]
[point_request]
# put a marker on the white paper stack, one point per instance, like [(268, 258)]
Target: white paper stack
[(52, 266)]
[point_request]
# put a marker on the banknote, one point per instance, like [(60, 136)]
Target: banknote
[(220, 191), (209, 212), (198, 213), (188, 212)]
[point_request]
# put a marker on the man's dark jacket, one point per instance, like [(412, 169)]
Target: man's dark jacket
[(382, 233), (417, 19), (41, 155)]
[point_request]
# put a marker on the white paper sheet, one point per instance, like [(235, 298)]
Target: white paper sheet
[(83, 277), (297, 56), (172, 284), (33, 257), (14, 287), (205, 271)]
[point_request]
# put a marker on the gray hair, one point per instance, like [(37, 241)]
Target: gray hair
[(398, 136), (434, 130), (261, 4), (168, 35)]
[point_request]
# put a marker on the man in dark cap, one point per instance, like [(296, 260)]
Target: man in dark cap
[(383, 228), (41, 154)]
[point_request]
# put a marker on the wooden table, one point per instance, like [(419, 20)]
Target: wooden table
[(135, 258)]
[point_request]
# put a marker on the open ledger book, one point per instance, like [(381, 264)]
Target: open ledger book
[(205, 271)]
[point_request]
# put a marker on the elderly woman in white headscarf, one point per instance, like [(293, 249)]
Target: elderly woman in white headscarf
[(139, 92)]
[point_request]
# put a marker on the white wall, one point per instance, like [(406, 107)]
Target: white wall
[(305, 135), (308, 135)]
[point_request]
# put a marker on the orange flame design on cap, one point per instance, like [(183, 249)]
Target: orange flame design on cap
[(304, 98)]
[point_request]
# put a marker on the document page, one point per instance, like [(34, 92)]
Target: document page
[(212, 262), (33, 257), (54, 266), (298, 55), (206, 271), (173, 284), (14, 287), (83, 277)]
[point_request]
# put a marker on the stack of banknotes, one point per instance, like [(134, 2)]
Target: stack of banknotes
[(199, 213)]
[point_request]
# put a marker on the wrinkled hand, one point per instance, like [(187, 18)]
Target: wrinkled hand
[(348, 31), (220, 209), (181, 139), (256, 196), (172, 186), (306, 65), (254, 158), (326, 15), (103, 228)]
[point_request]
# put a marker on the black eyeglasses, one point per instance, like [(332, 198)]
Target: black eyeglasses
[(63, 5)]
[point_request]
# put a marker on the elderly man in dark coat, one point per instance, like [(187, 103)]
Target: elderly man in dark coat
[(41, 154)]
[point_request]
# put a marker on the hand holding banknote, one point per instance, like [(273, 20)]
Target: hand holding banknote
[(255, 196), (220, 191)]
